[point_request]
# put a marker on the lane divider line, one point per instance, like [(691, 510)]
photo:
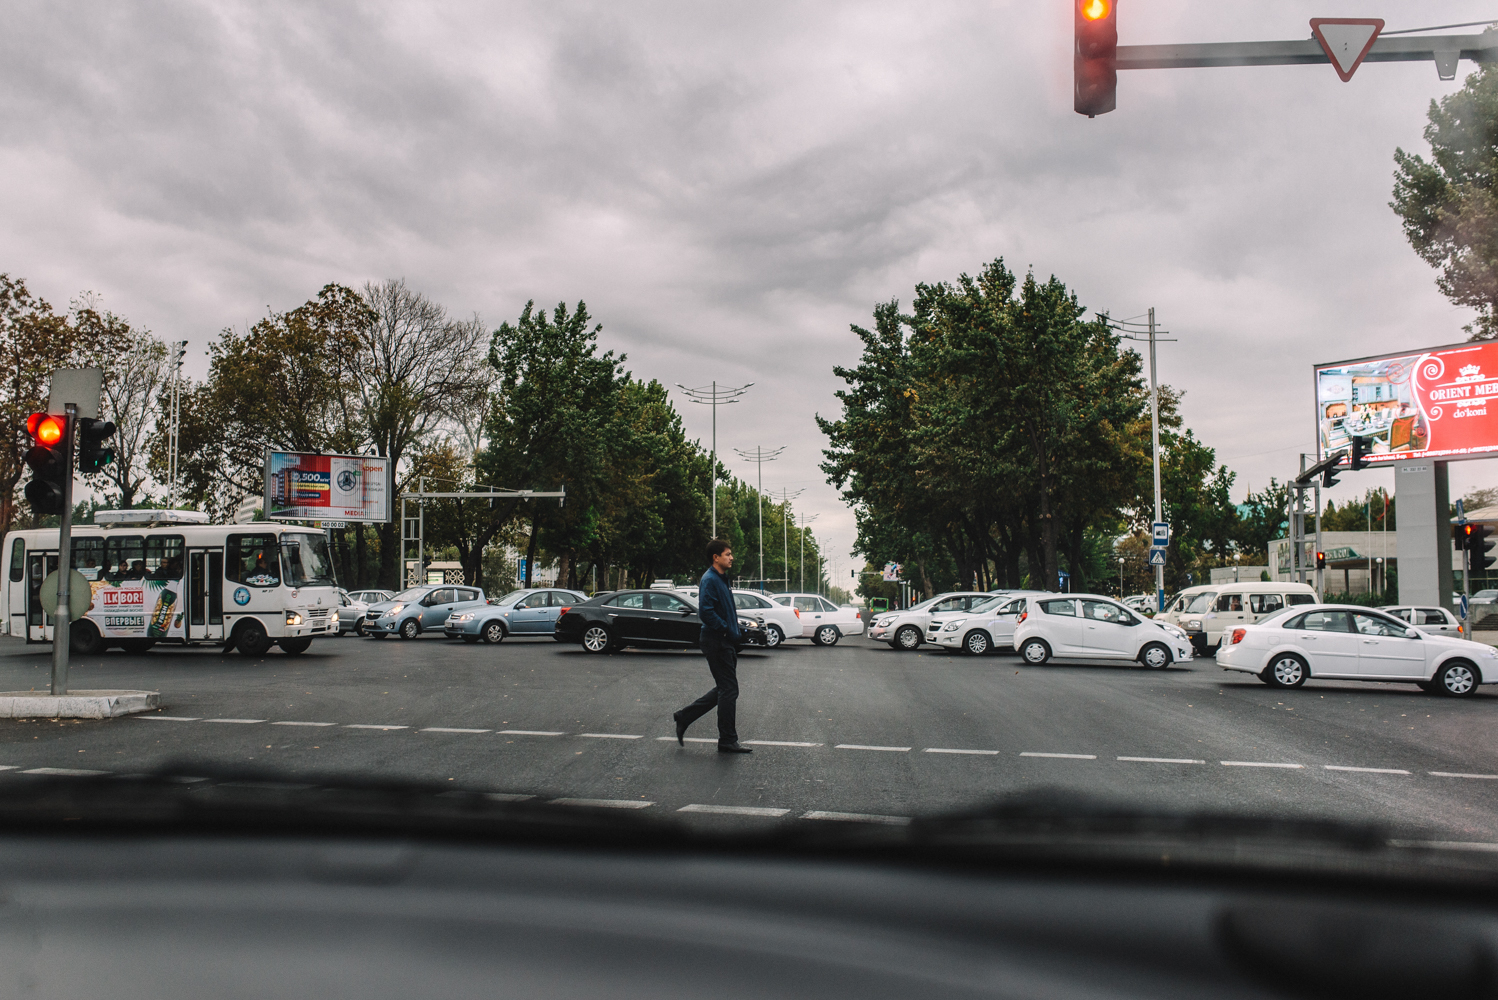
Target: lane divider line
[(361, 725), (1457, 774), (304, 723), (169, 718), (1163, 760), (1366, 770), (1067, 756), (507, 796), (609, 736), (734, 810), (10, 767), (686, 739), (976, 753), (71, 772), (444, 729), (776, 743), (860, 746), (531, 732), (1446, 845), (1258, 763), (856, 817), (605, 803), (242, 722)]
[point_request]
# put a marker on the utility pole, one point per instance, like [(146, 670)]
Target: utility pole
[(176, 352), (712, 395), (785, 497), (801, 537), (759, 456), (62, 619), (1320, 573), (1133, 330)]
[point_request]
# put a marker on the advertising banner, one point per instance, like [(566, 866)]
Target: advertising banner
[(1427, 404), (306, 487), (137, 609)]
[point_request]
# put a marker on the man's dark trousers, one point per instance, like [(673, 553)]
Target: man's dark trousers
[(723, 661)]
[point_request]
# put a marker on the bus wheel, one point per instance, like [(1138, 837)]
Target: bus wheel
[(250, 639), (295, 646), (136, 645), (84, 638)]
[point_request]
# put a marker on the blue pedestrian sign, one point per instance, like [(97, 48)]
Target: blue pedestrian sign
[(1157, 557)]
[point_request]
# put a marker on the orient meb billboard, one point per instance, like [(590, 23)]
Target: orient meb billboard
[(1436, 403)]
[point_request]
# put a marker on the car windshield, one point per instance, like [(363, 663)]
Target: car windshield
[(1200, 603), (407, 596), (510, 598), (990, 604)]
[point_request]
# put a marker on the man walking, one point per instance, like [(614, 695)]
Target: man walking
[(720, 636)]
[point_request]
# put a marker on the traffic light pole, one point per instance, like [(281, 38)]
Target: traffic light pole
[(62, 618)]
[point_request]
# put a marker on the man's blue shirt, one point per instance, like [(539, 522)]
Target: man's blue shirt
[(715, 605)]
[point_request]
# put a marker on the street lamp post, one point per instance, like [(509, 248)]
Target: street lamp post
[(1120, 578), (801, 538), (759, 456), (712, 395), (785, 497), (1134, 330)]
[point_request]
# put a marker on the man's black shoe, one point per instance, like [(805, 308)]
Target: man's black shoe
[(734, 748), (681, 729)]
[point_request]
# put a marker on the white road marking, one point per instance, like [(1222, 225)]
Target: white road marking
[(69, 771), (686, 739), (1365, 770), (443, 729), (610, 736), (529, 732), (1163, 760), (1446, 845), (734, 810), (856, 817), (304, 723), (860, 746), (605, 803), (1256, 763), (170, 718), (242, 722), (362, 725), (10, 767), (1068, 756), (507, 796), (1457, 774), (981, 753), (778, 743)]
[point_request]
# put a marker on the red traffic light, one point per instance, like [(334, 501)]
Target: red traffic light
[(1094, 10), (1095, 57), (45, 428)]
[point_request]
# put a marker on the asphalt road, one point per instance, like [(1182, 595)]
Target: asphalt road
[(855, 730)]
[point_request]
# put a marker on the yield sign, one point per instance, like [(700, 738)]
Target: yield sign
[(1346, 40)]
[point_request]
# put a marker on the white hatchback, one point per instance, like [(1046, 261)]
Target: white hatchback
[(1088, 626), (906, 630), (987, 628), (1347, 642), (823, 622)]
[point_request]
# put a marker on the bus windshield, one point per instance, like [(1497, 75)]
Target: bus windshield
[(305, 561)]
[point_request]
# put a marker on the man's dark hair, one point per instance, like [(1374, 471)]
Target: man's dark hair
[(717, 547)]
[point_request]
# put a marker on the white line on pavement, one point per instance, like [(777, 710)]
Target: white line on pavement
[(733, 810), (507, 796), (1068, 756), (860, 746), (605, 803), (529, 732), (242, 722), (10, 767), (69, 771), (362, 725), (686, 739), (1365, 770), (1446, 845), (444, 729), (981, 753), (1257, 763), (778, 743), (304, 723), (170, 718), (1457, 774), (1163, 760), (609, 736), (856, 817)]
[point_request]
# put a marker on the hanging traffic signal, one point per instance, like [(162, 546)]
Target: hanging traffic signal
[(1477, 547), (1095, 61), (48, 460), (1321, 560), (92, 455), (1359, 459), (1329, 477)]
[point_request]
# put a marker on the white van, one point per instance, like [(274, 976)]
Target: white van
[(1186, 610), (1245, 603)]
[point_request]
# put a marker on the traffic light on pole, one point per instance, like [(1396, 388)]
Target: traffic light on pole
[(92, 455), (1359, 459), (1321, 560), (1095, 61), (1478, 544), (48, 461)]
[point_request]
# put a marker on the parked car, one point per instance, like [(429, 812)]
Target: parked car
[(1243, 604), (420, 609), (987, 628), (1193, 601), (906, 630), (823, 622), (519, 613), (1484, 597), (651, 618), (1427, 618), (351, 613), (1089, 626), (1142, 603), (371, 596), (1347, 642)]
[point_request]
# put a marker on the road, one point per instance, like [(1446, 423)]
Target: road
[(858, 730)]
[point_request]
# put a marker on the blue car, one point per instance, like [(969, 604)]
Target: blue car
[(518, 613)]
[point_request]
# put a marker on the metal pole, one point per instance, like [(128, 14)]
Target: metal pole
[(421, 533), (714, 459), (62, 619), (1155, 438), (1320, 573)]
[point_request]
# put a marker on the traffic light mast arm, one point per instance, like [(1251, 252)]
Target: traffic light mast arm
[(1397, 48), (1327, 464)]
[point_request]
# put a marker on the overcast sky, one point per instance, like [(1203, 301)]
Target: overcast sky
[(730, 186)]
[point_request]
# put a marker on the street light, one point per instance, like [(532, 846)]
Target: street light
[(805, 520), (712, 395), (785, 497), (759, 456), (1120, 578)]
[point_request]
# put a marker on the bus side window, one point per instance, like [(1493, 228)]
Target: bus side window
[(254, 560), (124, 558), (88, 553), (17, 560), (164, 557)]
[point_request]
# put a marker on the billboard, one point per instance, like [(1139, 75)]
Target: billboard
[(305, 487), (1426, 404)]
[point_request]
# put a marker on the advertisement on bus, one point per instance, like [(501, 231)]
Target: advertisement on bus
[(1426, 404), (307, 487), (137, 609)]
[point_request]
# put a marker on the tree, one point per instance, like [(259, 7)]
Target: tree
[(135, 372), (1449, 204)]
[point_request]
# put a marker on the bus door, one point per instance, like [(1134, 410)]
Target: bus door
[(38, 565), (205, 594)]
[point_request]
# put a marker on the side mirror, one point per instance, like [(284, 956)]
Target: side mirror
[(1411, 633)]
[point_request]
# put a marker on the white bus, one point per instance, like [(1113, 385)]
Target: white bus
[(170, 577)]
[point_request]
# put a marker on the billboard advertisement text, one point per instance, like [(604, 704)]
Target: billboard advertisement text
[(307, 487)]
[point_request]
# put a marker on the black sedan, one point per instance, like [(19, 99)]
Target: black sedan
[(641, 618)]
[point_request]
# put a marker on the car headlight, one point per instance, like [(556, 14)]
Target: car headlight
[(885, 622), (463, 618), (1172, 629), (292, 618), (951, 626), (1194, 624), (392, 609)]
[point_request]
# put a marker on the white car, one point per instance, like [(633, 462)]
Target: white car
[(987, 628), (906, 630), (1427, 618), (1355, 643), (823, 622), (1088, 626), (781, 623)]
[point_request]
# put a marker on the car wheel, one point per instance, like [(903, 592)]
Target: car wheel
[(251, 639), (908, 638), (596, 639), (358, 628), (295, 646), (827, 635), (977, 642), (410, 629), (1456, 679), (84, 638), (1035, 651), (1155, 656), (494, 632), (1287, 671), (773, 636)]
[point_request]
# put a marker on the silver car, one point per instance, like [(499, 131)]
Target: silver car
[(519, 613), (420, 609), (351, 613)]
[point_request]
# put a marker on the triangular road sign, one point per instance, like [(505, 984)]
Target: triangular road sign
[(1346, 40), (1157, 557)]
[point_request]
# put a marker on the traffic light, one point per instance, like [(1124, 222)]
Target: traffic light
[(49, 463), (1477, 547), (1329, 477), (92, 455), (1095, 61), (1359, 458), (1321, 560)]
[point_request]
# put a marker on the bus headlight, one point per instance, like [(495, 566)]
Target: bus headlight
[(292, 618)]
